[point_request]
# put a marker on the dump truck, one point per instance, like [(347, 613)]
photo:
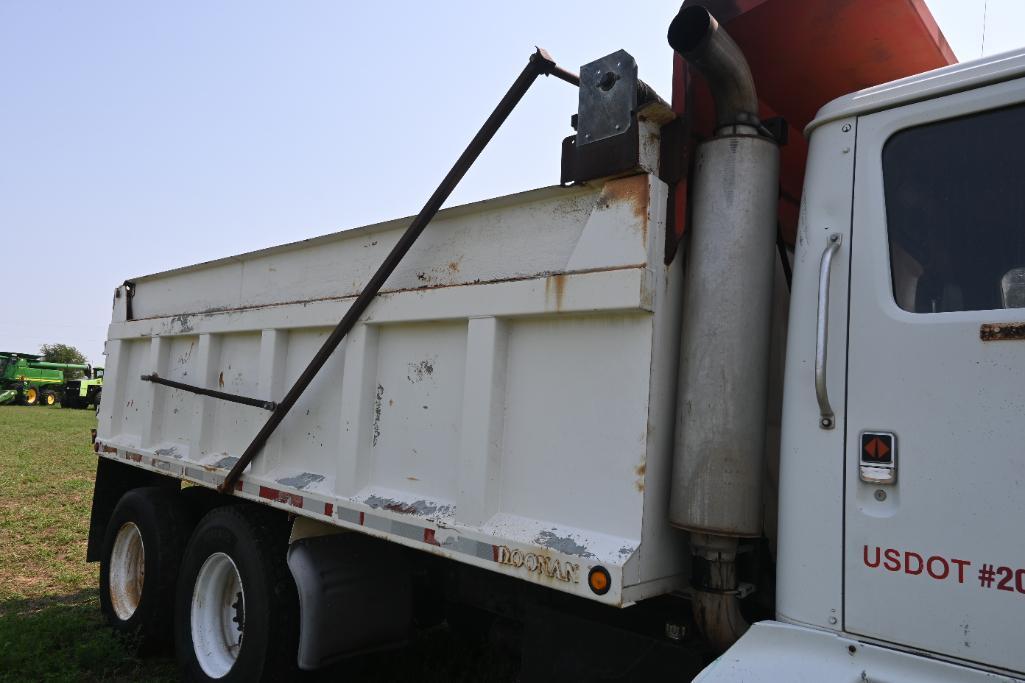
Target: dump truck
[(738, 399), (27, 379)]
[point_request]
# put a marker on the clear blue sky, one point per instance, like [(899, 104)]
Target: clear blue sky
[(136, 137)]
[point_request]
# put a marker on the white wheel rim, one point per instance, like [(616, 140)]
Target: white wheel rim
[(127, 571), (218, 615)]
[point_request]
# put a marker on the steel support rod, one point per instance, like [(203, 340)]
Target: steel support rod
[(540, 64), (234, 398)]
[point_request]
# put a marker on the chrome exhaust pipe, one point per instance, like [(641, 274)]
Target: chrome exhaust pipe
[(699, 39)]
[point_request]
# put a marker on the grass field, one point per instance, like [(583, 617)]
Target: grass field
[(50, 624)]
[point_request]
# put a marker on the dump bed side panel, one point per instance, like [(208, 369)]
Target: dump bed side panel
[(501, 403)]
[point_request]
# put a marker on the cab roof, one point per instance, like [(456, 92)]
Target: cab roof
[(935, 83)]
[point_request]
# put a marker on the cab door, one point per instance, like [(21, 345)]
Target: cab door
[(934, 541)]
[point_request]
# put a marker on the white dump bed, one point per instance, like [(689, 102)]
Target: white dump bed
[(507, 401)]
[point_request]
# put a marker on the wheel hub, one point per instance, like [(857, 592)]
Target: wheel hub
[(217, 615), (127, 571)]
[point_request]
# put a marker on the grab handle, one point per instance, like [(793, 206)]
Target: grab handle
[(827, 420)]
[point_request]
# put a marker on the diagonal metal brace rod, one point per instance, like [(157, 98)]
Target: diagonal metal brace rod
[(540, 63), (234, 398)]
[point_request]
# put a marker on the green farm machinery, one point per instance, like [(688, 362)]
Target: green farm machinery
[(26, 379), (84, 391)]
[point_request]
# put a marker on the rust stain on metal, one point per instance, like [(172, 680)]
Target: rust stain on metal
[(384, 293), (220, 379), (1002, 332), (640, 471), (555, 285), (453, 266), (632, 191)]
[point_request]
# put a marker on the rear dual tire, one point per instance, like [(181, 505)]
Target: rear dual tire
[(236, 609), (142, 549)]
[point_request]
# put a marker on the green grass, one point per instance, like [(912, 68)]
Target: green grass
[(50, 623)]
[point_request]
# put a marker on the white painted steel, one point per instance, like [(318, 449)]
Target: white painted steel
[(809, 576), (217, 615), (512, 386), (955, 404), (927, 85), (127, 571), (773, 652)]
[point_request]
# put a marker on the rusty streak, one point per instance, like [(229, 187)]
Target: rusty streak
[(385, 292), (1002, 332)]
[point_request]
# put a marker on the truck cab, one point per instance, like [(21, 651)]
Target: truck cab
[(899, 524)]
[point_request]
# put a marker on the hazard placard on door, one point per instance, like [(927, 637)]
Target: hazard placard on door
[(877, 448)]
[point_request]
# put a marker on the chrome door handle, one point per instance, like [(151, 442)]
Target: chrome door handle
[(827, 420)]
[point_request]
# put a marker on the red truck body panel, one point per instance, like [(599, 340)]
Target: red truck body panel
[(804, 53)]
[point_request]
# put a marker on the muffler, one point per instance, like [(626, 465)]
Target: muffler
[(728, 279)]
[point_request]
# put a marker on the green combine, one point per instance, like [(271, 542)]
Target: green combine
[(25, 379)]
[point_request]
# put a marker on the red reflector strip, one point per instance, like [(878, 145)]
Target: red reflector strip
[(329, 509), (429, 537), (281, 496)]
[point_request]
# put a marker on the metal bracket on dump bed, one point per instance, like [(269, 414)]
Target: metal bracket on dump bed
[(612, 99)]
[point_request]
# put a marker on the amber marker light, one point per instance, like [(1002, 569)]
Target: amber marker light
[(599, 580)]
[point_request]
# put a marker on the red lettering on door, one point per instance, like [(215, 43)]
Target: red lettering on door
[(892, 562), (910, 557)]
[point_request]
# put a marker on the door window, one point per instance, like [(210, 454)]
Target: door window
[(955, 211)]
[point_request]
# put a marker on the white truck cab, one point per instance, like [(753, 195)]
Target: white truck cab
[(901, 544)]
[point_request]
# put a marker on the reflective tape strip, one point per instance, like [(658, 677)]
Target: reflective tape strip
[(449, 539)]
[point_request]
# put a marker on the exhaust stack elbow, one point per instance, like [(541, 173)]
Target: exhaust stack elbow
[(697, 36)]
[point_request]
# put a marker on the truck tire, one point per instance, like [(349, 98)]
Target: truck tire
[(237, 610), (48, 397), (31, 396), (142, 549)]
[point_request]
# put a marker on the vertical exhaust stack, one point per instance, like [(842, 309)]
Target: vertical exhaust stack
[(721, 415)]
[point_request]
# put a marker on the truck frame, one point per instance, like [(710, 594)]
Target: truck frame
[(630, 423)]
